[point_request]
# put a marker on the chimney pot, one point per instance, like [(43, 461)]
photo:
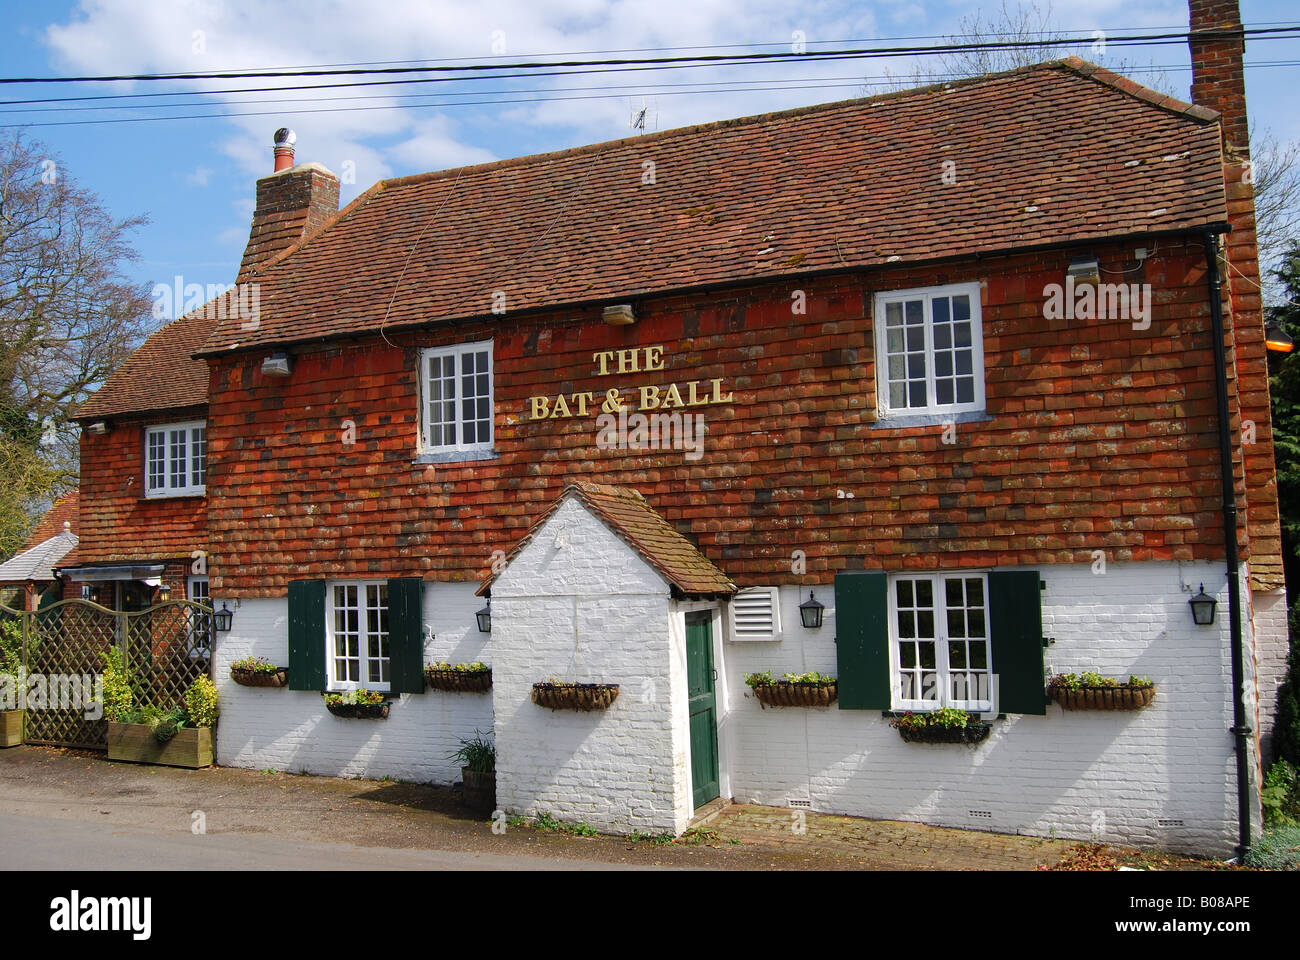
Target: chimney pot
[(283, 145)]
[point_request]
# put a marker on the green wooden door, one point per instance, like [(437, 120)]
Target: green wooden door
[(703, 708)]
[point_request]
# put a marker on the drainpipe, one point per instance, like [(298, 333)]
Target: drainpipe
[(1240, 731)]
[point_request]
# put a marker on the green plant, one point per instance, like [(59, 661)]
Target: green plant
[(255, 665), (947, 717), (765, 678), (1280, 795), (1089, 678), (582, 830), (201, 702), (475, 667), (759, 679), (1276, 849), (476, 754), (656, 839), (11, 645), (118, 697), (544, 821), (355, 697)]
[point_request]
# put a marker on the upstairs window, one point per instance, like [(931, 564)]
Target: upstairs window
[(176, 459), (456, 387), (929, 351)]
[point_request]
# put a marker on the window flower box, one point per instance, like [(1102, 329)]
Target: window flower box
[(358, 705), (574, 696), (258, 672), (11, 728), (1091, 691), (189, 747), (463, 678), (802, 690), (942, 726)]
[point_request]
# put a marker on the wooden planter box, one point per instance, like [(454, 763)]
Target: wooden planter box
[(135, 742), (784, 693), (464, 681), (480, 789), (260, 678), (1122, 697), (11, 728), (575, 696), (359, 711), (971, 733)]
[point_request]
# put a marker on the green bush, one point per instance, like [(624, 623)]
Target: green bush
[(477, 754), (1281, 795), (1286, 727), (11, 645), (118, 698), (201, 702), (1277, 849)]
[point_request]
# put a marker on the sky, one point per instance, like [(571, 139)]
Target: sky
[(194, 178)]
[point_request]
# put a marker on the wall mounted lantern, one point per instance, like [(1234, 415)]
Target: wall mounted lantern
[(1085, 270), (164, 593), (98, 428), (1203, 608), (223, 618), (1277, 339), (277, 365), (810, 612), (484, 618)]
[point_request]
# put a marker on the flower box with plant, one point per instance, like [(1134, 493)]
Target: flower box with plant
[(358, 705), (258, 672), (561, 695), (478, 771), (11, 658), (1092, 691), (794, 689), (179, 736), (473, 677), (948, 725)]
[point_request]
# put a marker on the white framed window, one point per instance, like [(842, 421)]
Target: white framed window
[(939, 642), (196, 589), (356, 635), (756, 614), (929, 350), (176, 459), (456, 398)]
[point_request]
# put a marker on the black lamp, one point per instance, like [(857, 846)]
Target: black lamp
[(484, 617), (223, 618), (810, 612), (164, 593), (1203, 607)]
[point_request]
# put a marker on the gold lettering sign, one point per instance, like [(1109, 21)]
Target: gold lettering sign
[(659, 396)]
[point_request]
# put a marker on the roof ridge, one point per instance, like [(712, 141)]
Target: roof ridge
[(1125, 85)]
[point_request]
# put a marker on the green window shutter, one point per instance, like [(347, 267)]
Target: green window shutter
[(307, 635), (862, 640), (406, 636), (1016, 625)]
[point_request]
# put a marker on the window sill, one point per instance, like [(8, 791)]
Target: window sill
[(151, 497), (454, 456), (903, 421), (978, 715)]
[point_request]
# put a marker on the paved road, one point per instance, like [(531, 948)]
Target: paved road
[(47, 843)]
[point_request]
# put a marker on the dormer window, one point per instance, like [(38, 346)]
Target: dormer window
[(176, 459)]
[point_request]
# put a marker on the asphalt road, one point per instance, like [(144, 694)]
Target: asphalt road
[(48, 843)]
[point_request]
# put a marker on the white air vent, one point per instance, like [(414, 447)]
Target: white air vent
[(982, 814), (1169, 823), (801, 803), (755, 614)]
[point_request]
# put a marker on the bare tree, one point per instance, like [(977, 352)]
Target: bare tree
[(68, 317), (1276, 172)]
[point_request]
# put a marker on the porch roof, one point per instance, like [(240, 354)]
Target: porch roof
[(38, 563), (631, 518)]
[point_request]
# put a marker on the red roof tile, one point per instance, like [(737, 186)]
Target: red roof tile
[(629, 516), (1063, 151), (162, 374), (66, 508)]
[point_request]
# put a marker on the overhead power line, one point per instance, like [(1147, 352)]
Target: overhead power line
[(1282, 32)]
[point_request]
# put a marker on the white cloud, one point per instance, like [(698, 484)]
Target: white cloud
[(200, 176)]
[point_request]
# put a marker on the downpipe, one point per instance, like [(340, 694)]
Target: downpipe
[(1240, 731)]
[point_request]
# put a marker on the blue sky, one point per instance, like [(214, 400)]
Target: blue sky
[(195, 178)]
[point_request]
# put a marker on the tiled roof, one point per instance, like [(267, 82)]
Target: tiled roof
[(162, 374), (629, 516), (38, 562), (1059, 152), (66, 508)]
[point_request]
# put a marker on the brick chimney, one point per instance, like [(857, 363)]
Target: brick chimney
[(291, 203), (1218, 82)]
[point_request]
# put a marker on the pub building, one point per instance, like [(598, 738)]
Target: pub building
[(795, 393)]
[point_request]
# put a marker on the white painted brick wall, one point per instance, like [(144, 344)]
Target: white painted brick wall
[(281, 729), (1067, 774), (580, 605), (1271, 648)]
